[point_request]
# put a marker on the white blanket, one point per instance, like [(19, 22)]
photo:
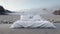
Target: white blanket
[(32, 21)]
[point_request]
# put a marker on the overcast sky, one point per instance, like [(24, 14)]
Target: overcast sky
[(27, 4)]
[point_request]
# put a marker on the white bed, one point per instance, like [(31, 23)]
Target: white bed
[(32, 21)]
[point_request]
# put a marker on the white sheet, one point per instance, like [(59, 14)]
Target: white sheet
[(32, 21)]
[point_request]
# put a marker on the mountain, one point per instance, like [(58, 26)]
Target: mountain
[(4, 11)]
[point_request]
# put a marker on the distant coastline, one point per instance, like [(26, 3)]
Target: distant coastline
[(17, 17)]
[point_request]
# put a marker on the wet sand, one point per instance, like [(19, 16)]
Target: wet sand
[(4, 29)]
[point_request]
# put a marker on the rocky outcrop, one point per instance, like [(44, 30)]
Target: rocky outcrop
[(4, 11), (56, 12)]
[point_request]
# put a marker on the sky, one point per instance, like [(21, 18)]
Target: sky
[(15, 5)]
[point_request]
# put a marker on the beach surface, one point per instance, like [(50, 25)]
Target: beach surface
[(4, 29)]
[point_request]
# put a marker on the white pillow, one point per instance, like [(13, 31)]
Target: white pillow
[(37, 18), (26, 17)]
